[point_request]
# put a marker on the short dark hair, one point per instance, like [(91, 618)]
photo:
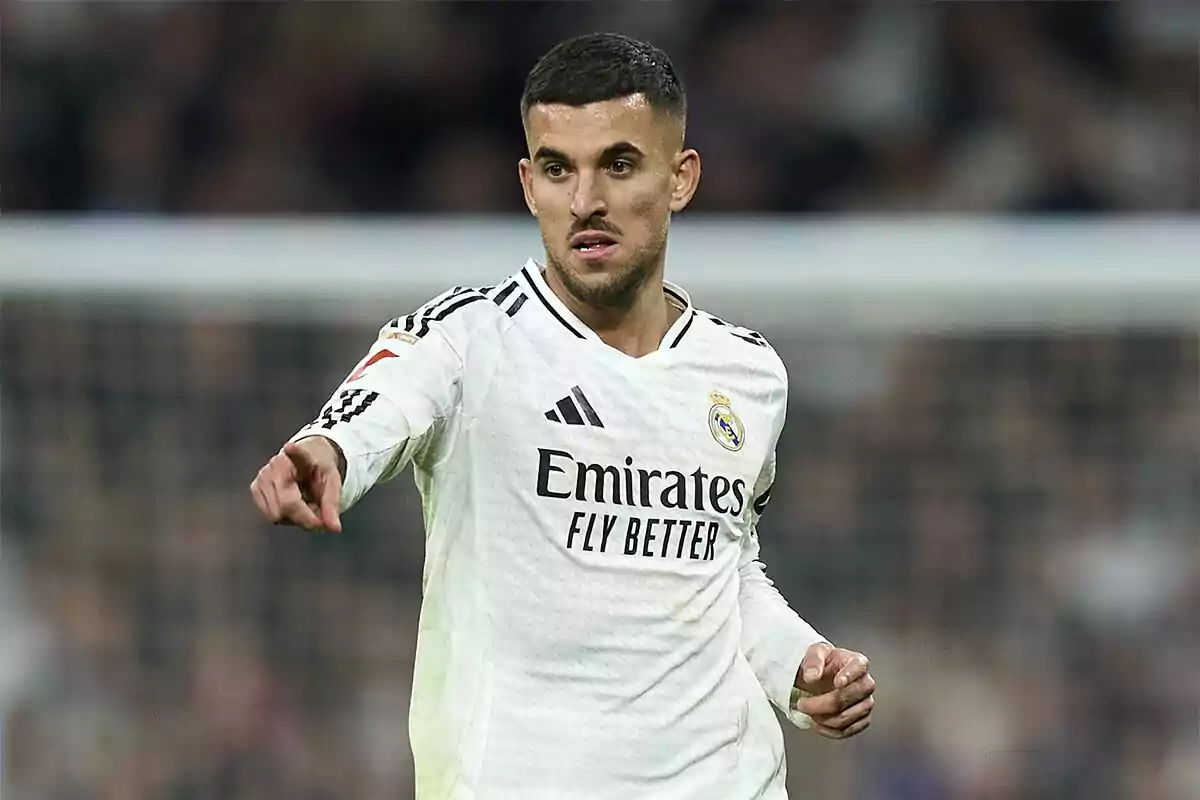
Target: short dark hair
[(604, 66)]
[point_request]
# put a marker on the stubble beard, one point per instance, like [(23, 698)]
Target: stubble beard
[(616, 290)]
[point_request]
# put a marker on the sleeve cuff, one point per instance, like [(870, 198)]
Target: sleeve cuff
[(794, 695)]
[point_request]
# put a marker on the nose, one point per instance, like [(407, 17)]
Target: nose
[(588, 200)]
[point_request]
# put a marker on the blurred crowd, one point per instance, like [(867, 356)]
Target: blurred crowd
[(1007, 524), (871, 106)]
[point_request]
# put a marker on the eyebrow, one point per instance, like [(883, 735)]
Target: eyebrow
[(610, 152)]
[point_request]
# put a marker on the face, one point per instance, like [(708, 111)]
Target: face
[(603, 180)]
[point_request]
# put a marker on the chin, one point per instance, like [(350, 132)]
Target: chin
[(602, 284), (587, 273)]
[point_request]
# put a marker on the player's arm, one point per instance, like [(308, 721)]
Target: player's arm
[(774, 637), (389, 409), (815, 684)]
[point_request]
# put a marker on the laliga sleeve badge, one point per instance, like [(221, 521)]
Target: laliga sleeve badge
[(725, 426), (402, 336)]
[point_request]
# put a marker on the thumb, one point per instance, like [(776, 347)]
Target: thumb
[(813, 665)]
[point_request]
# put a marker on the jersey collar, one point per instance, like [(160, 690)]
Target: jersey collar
[(532, 275)]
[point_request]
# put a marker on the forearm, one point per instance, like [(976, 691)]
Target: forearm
[(391, 407), (774, 637), (369, 447)]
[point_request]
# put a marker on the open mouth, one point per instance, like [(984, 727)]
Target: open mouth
[(591, 241), (592, 245)]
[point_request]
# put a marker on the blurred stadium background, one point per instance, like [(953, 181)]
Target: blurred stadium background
[(969, 228)]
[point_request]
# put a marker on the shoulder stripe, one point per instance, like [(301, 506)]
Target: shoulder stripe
[(723, 323), (437, 309), (503, 294), (445, 312), (501, 297), (745, 334), (516, 306), (757, 342), (537, 292), (429, 308)]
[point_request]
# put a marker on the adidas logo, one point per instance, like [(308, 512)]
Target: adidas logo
[(567, 411)]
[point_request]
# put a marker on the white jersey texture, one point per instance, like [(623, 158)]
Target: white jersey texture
[(596, 622)]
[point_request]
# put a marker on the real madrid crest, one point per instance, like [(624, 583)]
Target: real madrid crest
[(725, 426)]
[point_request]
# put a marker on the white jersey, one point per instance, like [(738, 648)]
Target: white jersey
[(595, 623)]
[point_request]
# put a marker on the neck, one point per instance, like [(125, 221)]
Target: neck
[(636, 328)]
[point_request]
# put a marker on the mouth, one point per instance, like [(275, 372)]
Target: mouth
[(593, 245)]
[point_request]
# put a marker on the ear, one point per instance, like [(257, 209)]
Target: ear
[(525, 171), (687, 179)]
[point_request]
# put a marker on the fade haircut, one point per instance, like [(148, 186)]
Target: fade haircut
[(604, 66)]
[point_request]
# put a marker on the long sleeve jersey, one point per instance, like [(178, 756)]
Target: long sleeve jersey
[(596, 622)]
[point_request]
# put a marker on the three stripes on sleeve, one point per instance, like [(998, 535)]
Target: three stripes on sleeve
[(350, 403), (436, 310)]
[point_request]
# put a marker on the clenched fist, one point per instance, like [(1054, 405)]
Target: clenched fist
[(837, 689), (302, 485)]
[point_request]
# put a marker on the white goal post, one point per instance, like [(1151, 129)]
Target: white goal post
[(800, 273)]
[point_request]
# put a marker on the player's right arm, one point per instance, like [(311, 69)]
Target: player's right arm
[(389, 410)]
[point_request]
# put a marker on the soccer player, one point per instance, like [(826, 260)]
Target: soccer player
[(593, 453)]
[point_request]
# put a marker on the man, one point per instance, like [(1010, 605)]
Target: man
[(593, 454)]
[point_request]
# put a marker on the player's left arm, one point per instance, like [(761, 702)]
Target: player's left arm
[(815, 684)]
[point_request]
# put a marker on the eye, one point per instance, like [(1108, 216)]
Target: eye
[(621, 167), (554, 170)]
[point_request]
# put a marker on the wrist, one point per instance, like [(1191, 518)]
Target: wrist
[(328, 449)]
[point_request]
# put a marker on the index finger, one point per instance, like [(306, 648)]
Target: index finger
[(854, 669), (302, 514)]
